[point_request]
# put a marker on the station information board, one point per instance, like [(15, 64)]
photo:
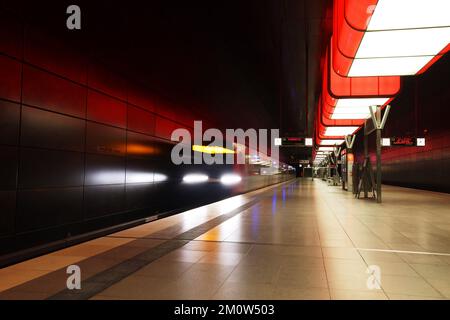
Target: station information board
[(407, 141), (403, 141), (297, 141)]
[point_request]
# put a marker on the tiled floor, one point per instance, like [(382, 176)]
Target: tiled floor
[(301, 240)]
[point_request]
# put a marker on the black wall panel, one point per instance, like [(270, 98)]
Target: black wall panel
[(41, 208), (103, 139), (8, 167), (9, 122), (10, 80), (104, 200), (47, 91), (40, 168), (7, 211), (51, 130), (11, 35), (140, 196)]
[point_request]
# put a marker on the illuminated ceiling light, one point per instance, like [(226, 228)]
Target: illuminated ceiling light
[(389, 37), (212, 149), (345, 98), (339, 131), (230, 179), (388, 66), (350, 116), (403, 43), (326, 148), (308, 142), (331, 142), (360, 102), (415, 14), (195, 178)]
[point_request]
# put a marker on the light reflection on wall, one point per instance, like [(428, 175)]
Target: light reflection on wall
[(145, 177), (117, 177), (137, 149), (108, 177)]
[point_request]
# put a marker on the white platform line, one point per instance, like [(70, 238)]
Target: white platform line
[(409, 252)]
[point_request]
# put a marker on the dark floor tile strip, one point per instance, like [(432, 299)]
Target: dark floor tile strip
[(103, 280)]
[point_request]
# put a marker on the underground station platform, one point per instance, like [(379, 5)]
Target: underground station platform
[(298, 240), (225, 159)]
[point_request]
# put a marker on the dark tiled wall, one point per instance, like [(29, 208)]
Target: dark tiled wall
[(79, 144), (76, 139)]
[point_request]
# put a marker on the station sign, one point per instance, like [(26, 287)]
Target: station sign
[(403, 141), (297, 142)]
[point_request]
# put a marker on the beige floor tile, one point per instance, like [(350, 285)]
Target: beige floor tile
[(422, 259), (183, 255), (240, 291), (432, 271), (341, 281), (13, 278), (223, 258), (301, 278), (302, 262), (341, 253), (205, 272), (374, 257), (408, 286), (284, 293), (47, 263), (357, 295), (164, 269), (440, 284), (265, 274), (396, 269), (336, 243), (409, 297), (350, 267)]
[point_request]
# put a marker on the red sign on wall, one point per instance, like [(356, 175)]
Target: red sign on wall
[(403, 141)]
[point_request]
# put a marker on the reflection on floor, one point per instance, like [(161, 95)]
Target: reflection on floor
[(300, 240)]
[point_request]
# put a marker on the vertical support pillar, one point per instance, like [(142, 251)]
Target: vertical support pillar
[(378, 116), (366, 156), (349, 159)]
